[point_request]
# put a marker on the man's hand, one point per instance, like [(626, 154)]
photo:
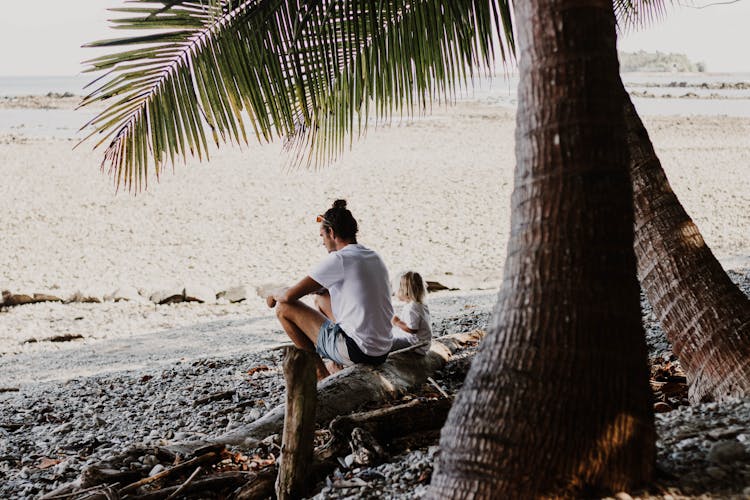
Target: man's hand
[(395, 320), (270, 301)]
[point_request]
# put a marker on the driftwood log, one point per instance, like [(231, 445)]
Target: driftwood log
[(299, 424), (349, 389)]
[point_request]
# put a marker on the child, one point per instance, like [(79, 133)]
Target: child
[(413, 326)]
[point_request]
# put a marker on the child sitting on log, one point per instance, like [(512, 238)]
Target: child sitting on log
[(413, 325)]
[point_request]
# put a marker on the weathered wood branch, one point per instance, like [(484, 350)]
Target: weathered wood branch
[(208, 458), (299, 424), (349, 389), (213, 482)]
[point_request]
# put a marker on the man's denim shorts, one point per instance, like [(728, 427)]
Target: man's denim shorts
[(332, 343)]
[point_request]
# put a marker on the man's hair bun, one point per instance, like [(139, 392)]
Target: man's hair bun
[(342, 221)]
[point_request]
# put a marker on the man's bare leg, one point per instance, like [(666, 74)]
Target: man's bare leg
[(302, 324)]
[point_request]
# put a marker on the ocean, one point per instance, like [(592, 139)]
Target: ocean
[(661, 94)]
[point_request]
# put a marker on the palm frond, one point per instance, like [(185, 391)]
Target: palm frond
[(637, 14), (312, 71)]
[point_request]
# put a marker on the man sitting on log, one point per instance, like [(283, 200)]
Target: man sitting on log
[(352, 322)]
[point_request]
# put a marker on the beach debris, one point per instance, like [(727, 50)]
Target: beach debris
[(197, 293), (365, 448), (46, 463), (436, 286), (83, 297), (57, 338), (170, 296), (234, 294), (126, 293), (43, 297), (16, 300), (668, 383), (215, 397), (662, 407), (256, 369)]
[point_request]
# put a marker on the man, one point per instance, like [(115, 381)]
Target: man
[(352, 322)]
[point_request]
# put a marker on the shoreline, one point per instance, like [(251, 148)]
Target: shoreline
[(190, 336)]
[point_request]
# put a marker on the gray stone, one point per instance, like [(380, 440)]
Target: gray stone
[(716, 473), (725, 452), (156, 469)]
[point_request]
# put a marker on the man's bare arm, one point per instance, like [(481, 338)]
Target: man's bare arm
[(304, 287)]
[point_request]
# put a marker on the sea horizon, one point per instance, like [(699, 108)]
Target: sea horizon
[(654, 94)]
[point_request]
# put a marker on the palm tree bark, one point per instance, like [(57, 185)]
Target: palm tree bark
[(557, 401), (704, 315)]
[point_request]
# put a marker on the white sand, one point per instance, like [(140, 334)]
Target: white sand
[(431, 195)]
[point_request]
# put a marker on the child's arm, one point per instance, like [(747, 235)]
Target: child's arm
[(396, 321)]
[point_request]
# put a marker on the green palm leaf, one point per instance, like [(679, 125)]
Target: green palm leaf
[(635, 14), (313, 72)]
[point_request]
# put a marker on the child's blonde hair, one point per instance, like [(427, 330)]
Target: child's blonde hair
[(411, 286)]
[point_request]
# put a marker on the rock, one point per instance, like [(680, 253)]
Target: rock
[(62, 429), (83, 297), (234, 294), (156, 469), (435, 286), (716, 473), (128, 293), (168, 296), (196, 293), (98, 421), (726, 452)]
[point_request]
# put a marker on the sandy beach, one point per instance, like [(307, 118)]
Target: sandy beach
[(430, 194)]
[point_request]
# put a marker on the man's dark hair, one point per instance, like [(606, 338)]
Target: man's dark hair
[(341, 221)]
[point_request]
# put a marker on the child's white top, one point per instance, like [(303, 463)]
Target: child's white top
[(417, 317)]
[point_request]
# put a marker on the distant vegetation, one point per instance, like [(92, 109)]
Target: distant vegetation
[(657, 62)]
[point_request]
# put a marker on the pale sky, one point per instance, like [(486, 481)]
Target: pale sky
[(44, 37)]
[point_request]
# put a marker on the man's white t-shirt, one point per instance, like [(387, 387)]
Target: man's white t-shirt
[(416, 315), (357, 279)]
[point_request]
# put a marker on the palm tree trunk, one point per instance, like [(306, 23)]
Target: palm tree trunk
[(557, 401), (704, 315)]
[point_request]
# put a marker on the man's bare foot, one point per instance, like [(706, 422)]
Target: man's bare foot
[(333, 367)]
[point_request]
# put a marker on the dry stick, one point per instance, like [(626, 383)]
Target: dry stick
[(207, 458), (186, 483), (215, 483), (440, 389), (215, 397), (76, 493), (299, 423)]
